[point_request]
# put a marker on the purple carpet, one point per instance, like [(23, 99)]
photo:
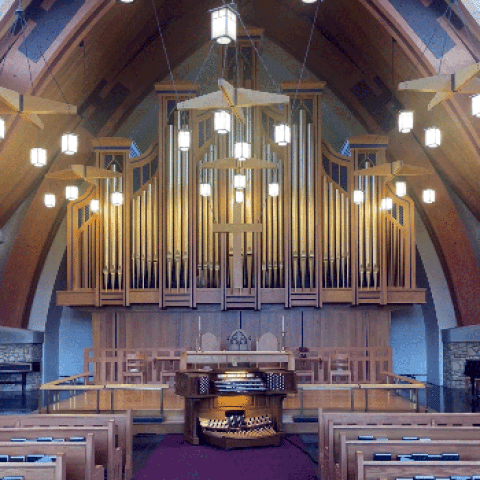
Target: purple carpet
[(176, 459)]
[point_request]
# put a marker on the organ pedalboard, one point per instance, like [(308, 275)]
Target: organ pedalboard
[(234, 408)]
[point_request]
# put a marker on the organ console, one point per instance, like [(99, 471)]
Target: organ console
[(234, 408)]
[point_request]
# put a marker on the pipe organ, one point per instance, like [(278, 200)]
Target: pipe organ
[(169, 244)]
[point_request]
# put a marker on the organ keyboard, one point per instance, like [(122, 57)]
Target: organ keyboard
[(234, 408)]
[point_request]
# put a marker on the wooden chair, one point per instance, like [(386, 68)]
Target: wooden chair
[(340, 367), (304, 370), (135, 368)]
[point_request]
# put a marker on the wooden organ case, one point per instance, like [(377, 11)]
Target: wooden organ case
[(308, 246), (234, 408)]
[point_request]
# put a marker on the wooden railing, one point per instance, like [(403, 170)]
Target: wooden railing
[(108, 365)]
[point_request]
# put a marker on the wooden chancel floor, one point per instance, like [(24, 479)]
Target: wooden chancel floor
[(150, 400)]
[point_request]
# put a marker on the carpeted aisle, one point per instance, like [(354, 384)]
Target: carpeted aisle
[(176, 459)]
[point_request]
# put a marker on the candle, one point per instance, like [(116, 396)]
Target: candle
[(283, 323), (199, 324)]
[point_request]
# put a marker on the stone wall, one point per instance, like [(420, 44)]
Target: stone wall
[(454, 356), (21, 352)]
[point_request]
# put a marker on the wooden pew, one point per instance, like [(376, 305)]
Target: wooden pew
[(36, 471), (370, 470), (106, 453), (392, 432), (79, 456), (467, 449), (123, 423), (367, 418)]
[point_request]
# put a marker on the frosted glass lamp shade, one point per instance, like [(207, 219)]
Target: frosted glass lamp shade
[(2, 128), (239, 196), (400, 189), (282, 135), (273, 189), (222, 121), (475, 106), (243, 151), (69, 143), (117, 199), (184, 139), (49, 200), (38, 157), (309, 1), (433, 137), (71, 192), (358, 197), (95, 205), (405, 121), (428, 195), (239, 181), (205, 189), (224, 25), (387, 204)]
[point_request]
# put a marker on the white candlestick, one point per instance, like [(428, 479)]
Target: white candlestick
[(283, 323), (199, 324)]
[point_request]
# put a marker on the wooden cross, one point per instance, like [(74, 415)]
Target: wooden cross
[(237, 230)]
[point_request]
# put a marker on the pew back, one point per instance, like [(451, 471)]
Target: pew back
[(123, 424), (370, 470), (106, 453), (79, 456), (36, 471), (467, 449), (367, 418), (392, 432)]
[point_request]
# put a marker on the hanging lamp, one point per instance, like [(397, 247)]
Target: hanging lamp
[(386, 204), (239, 180), (117, 199), (428, 195), (239, 196), (2, 128), (358, 197), (433, 137), (273, 189), (38, 157), (400, 188), (69, 143), (405, 121), (71, 192), (49, 200), (224, 24), (205, 189), (282, 134), (184, 139), (476, 106), (243, 150), (222, 121), (95, 205)]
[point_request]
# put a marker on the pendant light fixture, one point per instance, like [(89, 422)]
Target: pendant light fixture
[(49, 200), (476, 106), (405, 121), (433, 137), (71, 192), (224, 24), (273, 189), (358, 197), (386, 204), (205, 189), (400, 188), (38, 157), (184, 139), (428, 195), (2, 128), (222, 121), (309, 1), (95, 205), (117, 199), (282, 134), (243, 151), (239, 181), (69, 143), (239, 196)]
